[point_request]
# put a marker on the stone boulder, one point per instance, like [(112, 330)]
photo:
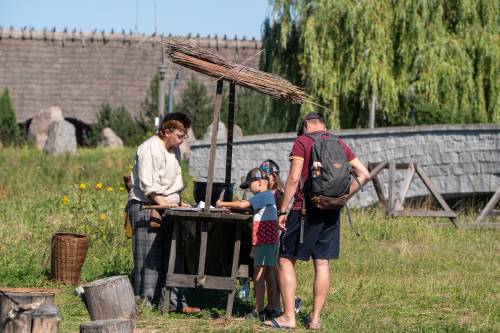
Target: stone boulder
[(39, 126), (222, 133), (185, 147), (61, 138), (109, 139), (237, 132)]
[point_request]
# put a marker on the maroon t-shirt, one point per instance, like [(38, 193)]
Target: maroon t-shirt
[(302, 150)]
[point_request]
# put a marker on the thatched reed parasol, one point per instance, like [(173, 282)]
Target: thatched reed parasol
[(209, 63)]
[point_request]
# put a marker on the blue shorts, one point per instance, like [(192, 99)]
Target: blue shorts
[(321, 235)]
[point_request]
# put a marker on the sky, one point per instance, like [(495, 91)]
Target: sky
[(178, 17)]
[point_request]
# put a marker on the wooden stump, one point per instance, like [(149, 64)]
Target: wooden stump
[(45, 319), (22, 319), (110, 298), (107, 326)]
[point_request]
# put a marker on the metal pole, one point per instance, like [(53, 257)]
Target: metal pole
[(170, 96), (230, 127), (136, 17), (161, 94)]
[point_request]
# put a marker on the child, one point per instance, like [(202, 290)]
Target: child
[(264, 236), (276, 186)]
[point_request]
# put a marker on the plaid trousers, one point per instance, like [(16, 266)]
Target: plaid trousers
[(151, 250)]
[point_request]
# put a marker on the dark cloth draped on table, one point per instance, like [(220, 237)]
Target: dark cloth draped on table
[(151, 248)]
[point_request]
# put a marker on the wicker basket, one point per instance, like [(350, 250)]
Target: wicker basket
[(67, 257)]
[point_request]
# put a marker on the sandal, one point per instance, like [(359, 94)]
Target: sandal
[(257, 315), (313, 325), (273, 313), (273, 323)]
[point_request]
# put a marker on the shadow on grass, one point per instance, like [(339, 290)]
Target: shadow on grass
[(215, 302)]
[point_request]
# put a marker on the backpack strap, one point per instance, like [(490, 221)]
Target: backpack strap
[(350, 220), (315, 136)]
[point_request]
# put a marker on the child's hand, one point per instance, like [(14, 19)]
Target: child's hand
[(218, 204)]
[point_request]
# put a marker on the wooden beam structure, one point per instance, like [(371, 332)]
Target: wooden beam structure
[(394, 205), (489, 209), (211, 64)]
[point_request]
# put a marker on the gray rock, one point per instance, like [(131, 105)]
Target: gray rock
[(39, 126), (237, 132), (61, 138), (221, 134), (109, 139)]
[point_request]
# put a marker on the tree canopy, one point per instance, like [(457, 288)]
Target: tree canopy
[(422, 61)]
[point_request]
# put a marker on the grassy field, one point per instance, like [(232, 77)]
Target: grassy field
[(399, 275)]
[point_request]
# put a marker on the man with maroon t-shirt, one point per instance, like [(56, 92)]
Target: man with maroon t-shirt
[(320, 237)]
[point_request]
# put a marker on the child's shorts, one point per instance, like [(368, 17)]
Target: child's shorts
[(265, 255)]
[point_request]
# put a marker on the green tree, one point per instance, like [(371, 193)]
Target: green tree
[(149, 106), (250, 111), (281, 57), (10, 132), (199, 107), (121, 122), (442, 55)]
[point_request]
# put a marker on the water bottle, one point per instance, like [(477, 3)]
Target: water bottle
[(244, 290), (316, 169)]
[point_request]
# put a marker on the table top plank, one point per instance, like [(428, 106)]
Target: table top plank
[(223, 216)]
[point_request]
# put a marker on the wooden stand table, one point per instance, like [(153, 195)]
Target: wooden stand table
[(200, 280)]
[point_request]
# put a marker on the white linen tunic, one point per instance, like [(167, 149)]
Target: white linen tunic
[(156, 170)]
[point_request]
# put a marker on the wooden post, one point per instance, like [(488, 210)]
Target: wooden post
[(107, 326), (230, 128), (405, 187), (110, 298), (234, 271), (379, 190), (200, 276), (171, 264), (390, 199), (489, 208), (213, 145)]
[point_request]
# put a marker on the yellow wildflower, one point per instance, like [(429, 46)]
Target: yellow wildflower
[(65, 200), (98, 186), (122, 188), (103, 217), (110, 189), (83, 186)]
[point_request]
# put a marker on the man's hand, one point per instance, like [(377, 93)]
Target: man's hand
[(282, 222), (184, 204), (218, 204)]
